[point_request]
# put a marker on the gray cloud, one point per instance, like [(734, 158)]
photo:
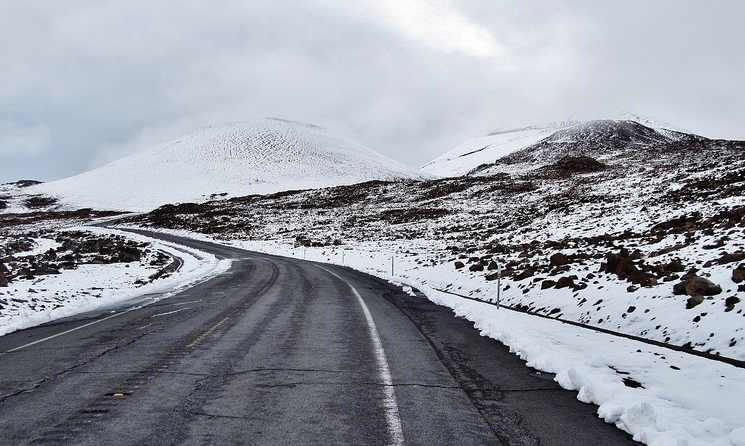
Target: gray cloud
[(22, 140), (106, 78)]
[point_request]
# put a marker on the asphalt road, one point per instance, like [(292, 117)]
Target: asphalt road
[(281, 351)]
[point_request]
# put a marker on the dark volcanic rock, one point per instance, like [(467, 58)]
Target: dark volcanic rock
[(730, 302), (694, 301), (699, 286), (566, 282), (546, 284), (4, 280), (731, 258), (558, 259), (525, 274), (620, 264), (679, 289), (476, 267), (738, 274), (39, 201), (579, 164)]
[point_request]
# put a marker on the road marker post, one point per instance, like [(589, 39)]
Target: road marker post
[(499, 281)]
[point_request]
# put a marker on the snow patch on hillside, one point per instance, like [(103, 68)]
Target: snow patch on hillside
[(483, 150)]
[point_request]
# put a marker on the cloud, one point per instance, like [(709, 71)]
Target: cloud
[(22, 140), (409, 78), (437, 24)]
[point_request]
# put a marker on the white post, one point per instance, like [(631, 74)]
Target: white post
[(392, 266), (499, 281), (342, 256), (304, 252)]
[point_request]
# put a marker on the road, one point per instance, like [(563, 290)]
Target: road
[(281, 351)]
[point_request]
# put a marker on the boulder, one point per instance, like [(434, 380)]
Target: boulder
[(738, 274), (566, 282), (620, 264), (459, 264), (730, 302), (679, 289), (558, 259), (547, 284), (476, 267), (693, 301), (525, 274), (674, 266), (731, 258), (699, 286)]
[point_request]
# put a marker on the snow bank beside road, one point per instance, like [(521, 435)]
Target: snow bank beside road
[(660, 396), (91, 287)]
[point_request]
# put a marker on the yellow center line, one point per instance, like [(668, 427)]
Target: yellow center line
[(208, 332)]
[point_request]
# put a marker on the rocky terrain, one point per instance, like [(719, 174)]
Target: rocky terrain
[(608, 223), (52, 265)]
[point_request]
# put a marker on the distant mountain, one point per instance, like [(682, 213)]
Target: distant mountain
[(487, 149), (569, 138), (253, 157), (603, 141)]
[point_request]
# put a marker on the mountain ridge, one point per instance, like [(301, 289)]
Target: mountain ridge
[(501, 146)]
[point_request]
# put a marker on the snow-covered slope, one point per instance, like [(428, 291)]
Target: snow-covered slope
[(252, 157), (623, 131), (486, 149)]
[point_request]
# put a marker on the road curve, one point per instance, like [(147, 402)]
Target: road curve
[(280, 351)]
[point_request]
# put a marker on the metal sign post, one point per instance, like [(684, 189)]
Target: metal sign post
[(499, 281)]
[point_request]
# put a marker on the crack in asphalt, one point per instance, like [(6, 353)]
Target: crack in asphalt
[(209, 415), (70, 369)]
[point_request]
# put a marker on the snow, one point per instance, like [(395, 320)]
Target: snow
[(252, 157), (483, 150), (487, 149), (99, 287)]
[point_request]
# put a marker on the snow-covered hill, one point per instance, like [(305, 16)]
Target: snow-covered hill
[(244, 158), (574, 138), (487, 149)]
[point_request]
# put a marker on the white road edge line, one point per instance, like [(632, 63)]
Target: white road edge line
[(167, 313), (392, 417), (65, 332)]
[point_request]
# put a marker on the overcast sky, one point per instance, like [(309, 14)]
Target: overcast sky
[(85, 82)]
